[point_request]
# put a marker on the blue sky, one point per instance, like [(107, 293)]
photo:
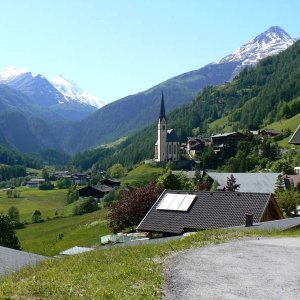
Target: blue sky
[(116, 48)]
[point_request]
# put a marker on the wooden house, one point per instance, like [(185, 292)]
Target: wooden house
[(295, 139), (95, 191), (176, 212), (111, 182)]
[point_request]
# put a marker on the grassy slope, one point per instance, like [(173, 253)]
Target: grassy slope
[(142, 175), (31, 199), (118, 273), (43, 238), (291, 123)]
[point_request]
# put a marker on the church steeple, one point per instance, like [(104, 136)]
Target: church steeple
[(162, 114)]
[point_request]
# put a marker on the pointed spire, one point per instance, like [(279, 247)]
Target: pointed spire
[(162, 113)]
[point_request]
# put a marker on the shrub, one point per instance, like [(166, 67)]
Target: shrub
[(85, 206), (37, 217), (72, 194), (46, 186), (132, 207)]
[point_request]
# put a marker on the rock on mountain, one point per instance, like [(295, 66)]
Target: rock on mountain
[(44, 96), (72, 92), (134, 112), (270, 42)]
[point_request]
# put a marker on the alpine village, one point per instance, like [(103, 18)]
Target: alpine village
[(96, 199)]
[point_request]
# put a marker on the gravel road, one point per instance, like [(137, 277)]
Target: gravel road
[(266, 268)]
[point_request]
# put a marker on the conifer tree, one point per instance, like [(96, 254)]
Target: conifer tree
[(231, 185)]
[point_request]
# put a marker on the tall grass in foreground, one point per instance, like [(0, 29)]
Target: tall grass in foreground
[(132, 272)]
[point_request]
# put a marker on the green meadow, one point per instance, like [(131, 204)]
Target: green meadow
[(32, 198), (142, 175), (58, 231), (53, 236)]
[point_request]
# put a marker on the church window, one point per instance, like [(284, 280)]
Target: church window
[(170, 149), (174, 148), (163, 127)]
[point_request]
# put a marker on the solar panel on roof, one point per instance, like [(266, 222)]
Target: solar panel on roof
[(179, 202)]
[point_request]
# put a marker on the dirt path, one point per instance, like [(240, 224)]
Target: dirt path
[(266, 268)]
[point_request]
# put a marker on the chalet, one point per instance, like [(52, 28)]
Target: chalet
[(35, 182), (195, 143), (113, 183), (295, 139), (95, 191), (227, 142), (229, 139), (176, 212), (249, 182), (78, 178), (267, 133), (292, 180), (13, 260)]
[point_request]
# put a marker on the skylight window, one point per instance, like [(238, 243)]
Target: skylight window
[(178, 202)]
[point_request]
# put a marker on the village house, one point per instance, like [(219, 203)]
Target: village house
[(111, 182), (167, 147), (227, 142), (79, 178), (95, 191), (267, 133), (249, 182), (295, 139), (177, 212), (35, 182)]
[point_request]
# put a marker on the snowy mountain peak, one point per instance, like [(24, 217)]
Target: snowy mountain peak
[(73, 92), (270, 42), (10, 73)]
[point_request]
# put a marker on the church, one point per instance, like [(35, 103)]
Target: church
[(167, 146)]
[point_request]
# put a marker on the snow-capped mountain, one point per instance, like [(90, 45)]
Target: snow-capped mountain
[(72, 92), (270, 42)]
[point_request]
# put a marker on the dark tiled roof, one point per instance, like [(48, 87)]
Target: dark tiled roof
[(172, 136), (295, 139), (12, 260), (209, 210)]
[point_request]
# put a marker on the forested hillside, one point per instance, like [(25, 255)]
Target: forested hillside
[(257, 97)]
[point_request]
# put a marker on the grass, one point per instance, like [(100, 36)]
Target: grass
[(220, 125), (132, 272), (43, 238), (291, 123), (31, 199), (142, 175)]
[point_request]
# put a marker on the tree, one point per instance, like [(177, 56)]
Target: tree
[(72, 194), (9, 193), (173, 181), (36, 217), (47, 185), (116, 171), (288, 201), (45, 174), (8, 236), (14, 216), (231, 185), (132, 207), (85, 206), (279, 184), (63, 183)]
